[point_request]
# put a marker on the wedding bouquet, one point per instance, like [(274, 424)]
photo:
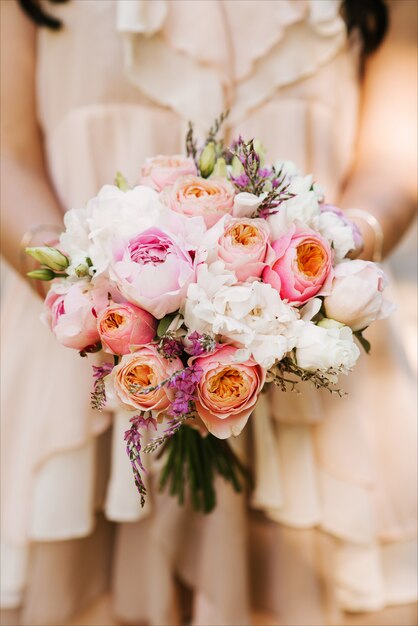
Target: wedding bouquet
[(214, 276)]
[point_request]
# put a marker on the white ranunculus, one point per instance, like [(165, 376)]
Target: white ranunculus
[(356, 297), (325, 346), (250, 316), (119, 214), (338, 232), (303, 208)]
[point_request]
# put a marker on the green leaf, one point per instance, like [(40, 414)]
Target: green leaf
[(164, 324), (363, 341)]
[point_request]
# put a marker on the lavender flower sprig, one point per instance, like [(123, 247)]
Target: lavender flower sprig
[(133, 438), (98, 395)]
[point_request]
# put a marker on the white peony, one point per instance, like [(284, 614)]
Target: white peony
[(119, 214), (326, 345), (250, 316)]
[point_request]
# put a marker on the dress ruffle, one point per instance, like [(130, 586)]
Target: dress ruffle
[(204, 70)]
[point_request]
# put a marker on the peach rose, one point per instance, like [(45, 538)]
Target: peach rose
[(303, 266), (244, 246), (227, 391), (210, 198), (124, 325), (138, 371), (162, 171)]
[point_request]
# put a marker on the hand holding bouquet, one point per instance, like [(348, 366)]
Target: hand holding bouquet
[(216, 275)]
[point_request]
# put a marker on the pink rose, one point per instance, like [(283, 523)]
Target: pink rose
[(71, 314), (210, 198), (303, 265), (138, 371), (162, 171), (244, 247), (356, 297), (227, 391), (153, 271), (124, 325)]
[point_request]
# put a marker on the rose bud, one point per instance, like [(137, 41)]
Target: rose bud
[(207, 159), (163, 171)]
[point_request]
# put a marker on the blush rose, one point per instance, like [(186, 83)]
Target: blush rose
[(122, 326)]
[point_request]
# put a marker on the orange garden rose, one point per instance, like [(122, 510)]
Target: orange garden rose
[(209, 198), (227, 391), (138, 372), (124, 325)]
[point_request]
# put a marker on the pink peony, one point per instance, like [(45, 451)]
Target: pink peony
[(303, 265), (163, 171), (210, 198), (139, 371), (153, 271), (244, 247), (70, 313), (227, 391), (124, 325)]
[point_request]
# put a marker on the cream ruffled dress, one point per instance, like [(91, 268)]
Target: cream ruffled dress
[(330, 525)]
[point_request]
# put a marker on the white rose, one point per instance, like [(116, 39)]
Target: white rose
[(356, 297), (325, 346)]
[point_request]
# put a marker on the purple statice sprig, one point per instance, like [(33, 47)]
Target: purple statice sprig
[(250, 179), (98, 395), (169, 347), (184, 384), (133, 438), (200, 343), (278, 194)]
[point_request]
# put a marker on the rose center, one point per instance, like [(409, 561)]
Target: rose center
[(198, 191), (311, 258), (141, 376), (244, 235), (227, 384), (114, 320)]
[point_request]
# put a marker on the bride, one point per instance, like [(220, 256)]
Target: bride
[(329, 529)]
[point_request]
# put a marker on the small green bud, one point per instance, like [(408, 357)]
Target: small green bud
[(261, 151), (51, 257), (42, 274), (220, 168), (237, 167), (82, 270), (121, 182), (207, 159), (327, 322)]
